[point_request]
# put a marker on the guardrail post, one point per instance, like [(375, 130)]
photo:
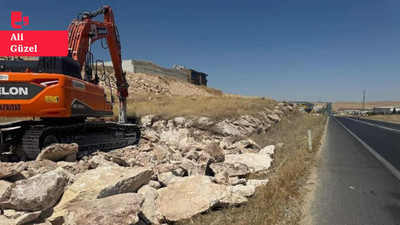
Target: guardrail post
[(309, 140)]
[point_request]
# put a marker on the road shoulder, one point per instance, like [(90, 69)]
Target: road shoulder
[(310, 188)]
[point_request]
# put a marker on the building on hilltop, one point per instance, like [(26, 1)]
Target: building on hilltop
[(194, 77)]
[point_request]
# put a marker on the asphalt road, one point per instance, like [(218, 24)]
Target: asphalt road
[(353, 186)]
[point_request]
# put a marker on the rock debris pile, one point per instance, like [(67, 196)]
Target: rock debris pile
[(183, 167), (140, 83)]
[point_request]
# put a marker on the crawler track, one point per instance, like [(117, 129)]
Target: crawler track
[(90, 136)]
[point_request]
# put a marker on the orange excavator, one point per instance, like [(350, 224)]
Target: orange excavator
[(53, 92)]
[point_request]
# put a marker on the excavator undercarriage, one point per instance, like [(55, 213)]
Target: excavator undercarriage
[(32, 136)]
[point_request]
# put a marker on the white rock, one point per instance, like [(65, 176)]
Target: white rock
[(230, 129), (12, 214), (243, 190), (6, 221), (245, 144), (232, 169), (270, 150), (255, 162), (179, 121), (278, 111), (98, 161), (274, 117), (205, 121), (154, 184), (39, 192), (226, 142), (3, 187), (194, 195), (10, 169), (190, 167), (149, 206), (116, 209), (257, 183), (56, 152), (178, 137), (168, 178), (158, 125), (215, 152), (147, 121), (102, 182)]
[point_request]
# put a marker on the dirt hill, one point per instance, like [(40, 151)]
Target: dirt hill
[(140, 83)]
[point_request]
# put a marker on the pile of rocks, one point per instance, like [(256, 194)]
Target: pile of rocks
[(140, 83), (183, 167)]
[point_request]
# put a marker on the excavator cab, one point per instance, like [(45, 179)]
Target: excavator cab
[(60, 65)]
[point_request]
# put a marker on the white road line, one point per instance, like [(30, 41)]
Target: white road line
[(387, 164), (371, 124)]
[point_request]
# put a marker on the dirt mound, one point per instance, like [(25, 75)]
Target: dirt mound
[(140, 83)]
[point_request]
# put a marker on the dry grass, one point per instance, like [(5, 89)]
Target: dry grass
[(394, 118), (277, 202), (212, 91), (216, 107), (368, 105)]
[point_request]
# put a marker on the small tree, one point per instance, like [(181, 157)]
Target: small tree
[(394, 110)]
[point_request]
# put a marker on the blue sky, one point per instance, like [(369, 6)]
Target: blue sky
[(284, 49)]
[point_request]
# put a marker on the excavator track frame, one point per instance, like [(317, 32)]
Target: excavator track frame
[(90, 136)]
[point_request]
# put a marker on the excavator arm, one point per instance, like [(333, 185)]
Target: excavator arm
[(83, 31)]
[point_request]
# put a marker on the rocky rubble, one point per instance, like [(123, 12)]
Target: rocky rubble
[(183, 167), (140, 83)]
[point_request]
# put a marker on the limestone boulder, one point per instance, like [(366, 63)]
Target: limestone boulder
[(222, 177), (190, 167), (27, 218), (179, 138), (6, 221), (246, 144), (116, 209), (243, 190), (10, 169), (232, 169), (4, 185), (105, 181), (38, 167), (270, 150), (158, 125), (147, 121), (179, 121), (194, 195), (215, 152), (168, 178), (254, 161), (205, 121), (154, 184), (56, 152), (203, 164), (98, 161), (274, 117), (228, 128), (278, 111), (150, 213), (39, 192)]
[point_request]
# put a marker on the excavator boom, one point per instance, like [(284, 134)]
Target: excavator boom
[(83, 31)]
